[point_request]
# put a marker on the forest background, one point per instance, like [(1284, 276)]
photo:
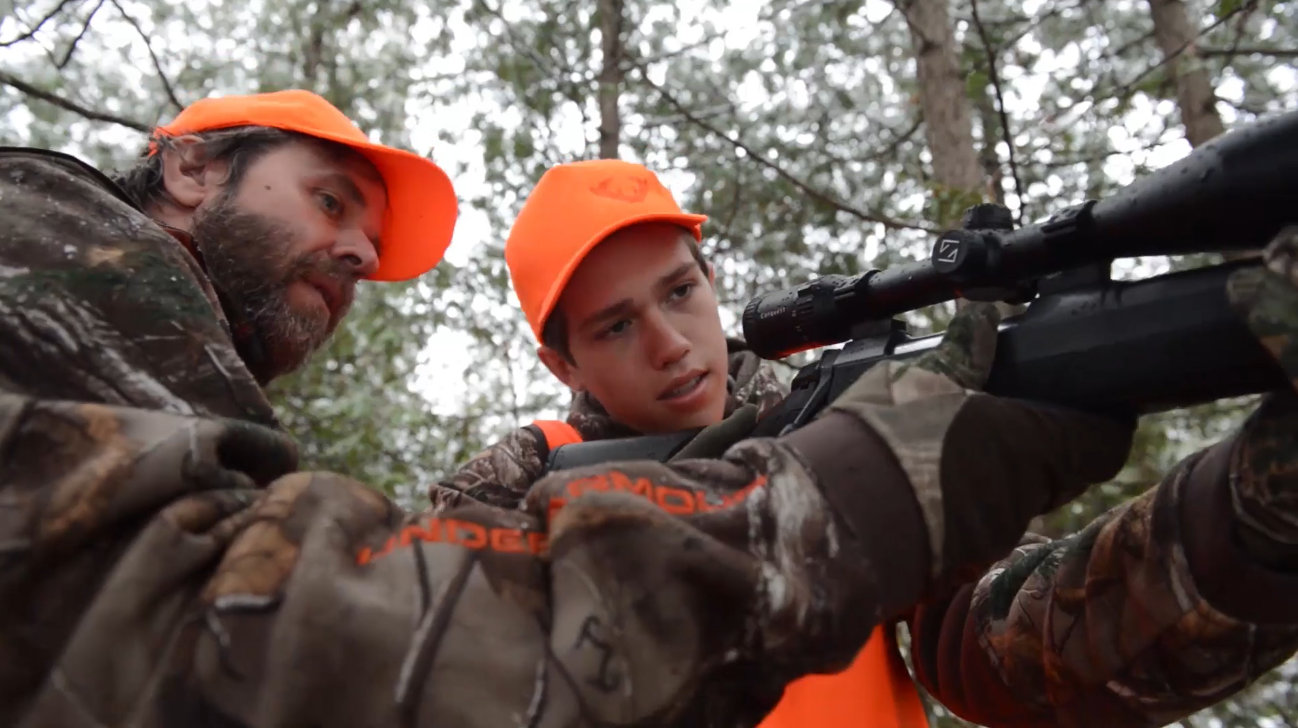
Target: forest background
[(819, 136)]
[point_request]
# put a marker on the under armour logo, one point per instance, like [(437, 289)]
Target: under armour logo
[(625, 189)]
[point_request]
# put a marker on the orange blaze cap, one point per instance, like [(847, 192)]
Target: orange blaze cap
[(574, 207), (422, 207)]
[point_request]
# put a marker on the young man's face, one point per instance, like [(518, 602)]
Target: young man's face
[(289, 242), (644, 332)]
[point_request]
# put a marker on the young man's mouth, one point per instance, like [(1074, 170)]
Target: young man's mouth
[(685, 389)]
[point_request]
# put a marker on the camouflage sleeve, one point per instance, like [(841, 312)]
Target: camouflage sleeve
[(1151, 613), (100, 304), (499, 476)]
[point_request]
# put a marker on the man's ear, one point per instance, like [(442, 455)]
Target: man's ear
[(712, 275), (563, 370), (188, 176)]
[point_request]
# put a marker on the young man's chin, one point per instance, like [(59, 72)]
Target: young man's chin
[(708, 411)]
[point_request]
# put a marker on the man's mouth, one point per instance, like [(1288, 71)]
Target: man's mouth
[(331, 291), (684, 386)]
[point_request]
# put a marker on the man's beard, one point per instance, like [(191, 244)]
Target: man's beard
[(249, 260)]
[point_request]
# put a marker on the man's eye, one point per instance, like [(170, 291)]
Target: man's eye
[(330, 203)]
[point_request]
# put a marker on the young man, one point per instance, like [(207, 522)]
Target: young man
[(623, 303), (612, 293), (624, 306)]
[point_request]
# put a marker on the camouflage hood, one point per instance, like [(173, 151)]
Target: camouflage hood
[(750, 380)]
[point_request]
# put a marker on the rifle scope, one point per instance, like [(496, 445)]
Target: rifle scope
[(1234, 193)]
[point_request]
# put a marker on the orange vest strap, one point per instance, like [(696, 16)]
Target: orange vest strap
[(557, 433), (875, 691)]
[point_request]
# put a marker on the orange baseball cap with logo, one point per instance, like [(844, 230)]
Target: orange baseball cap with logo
[(422, 207), (575, 207)]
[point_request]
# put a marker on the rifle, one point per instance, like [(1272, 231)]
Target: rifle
[(1085, 340)]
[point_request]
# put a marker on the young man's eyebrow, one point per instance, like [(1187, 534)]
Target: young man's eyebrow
[(621, 308), (676, 274)]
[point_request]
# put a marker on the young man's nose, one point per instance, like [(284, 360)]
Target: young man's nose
[(666, 344)]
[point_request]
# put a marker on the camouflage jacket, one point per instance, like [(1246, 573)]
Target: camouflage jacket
[(162, 563), (503, 473)]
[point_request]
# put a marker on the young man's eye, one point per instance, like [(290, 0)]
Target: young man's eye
[(682, 291), (614, 329)]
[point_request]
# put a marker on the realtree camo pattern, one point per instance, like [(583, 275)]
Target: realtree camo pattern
[(1109, 626), (502, 474), (159, 568), (93, 290)]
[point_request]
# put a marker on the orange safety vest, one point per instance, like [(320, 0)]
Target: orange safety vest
[(875, 691)]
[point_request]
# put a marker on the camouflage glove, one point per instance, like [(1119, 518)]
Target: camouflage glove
[(1266, 298), (1263, 464), (141, 459), (969, 468), (714, 440)]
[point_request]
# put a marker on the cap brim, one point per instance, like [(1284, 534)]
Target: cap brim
[(693, 222), (422, 209), (421, 214)]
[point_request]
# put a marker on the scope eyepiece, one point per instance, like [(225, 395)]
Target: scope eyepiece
[(783, 323)]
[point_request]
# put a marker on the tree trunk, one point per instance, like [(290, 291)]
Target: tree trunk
[(993, 170), (1195, 96), (958, 171), (610, 78), (1194, 93), (948, 122)]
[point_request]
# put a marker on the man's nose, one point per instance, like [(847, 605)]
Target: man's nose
[(667, 345), (355, 249)]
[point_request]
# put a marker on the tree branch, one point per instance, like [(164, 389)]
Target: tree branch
[(157, 66), (36, 28), (1255, 110), (674, 119), (56, 100), (569, 89), (85, 28), (668, 55), (777, 169), (1250, 51), (1000, 106)]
